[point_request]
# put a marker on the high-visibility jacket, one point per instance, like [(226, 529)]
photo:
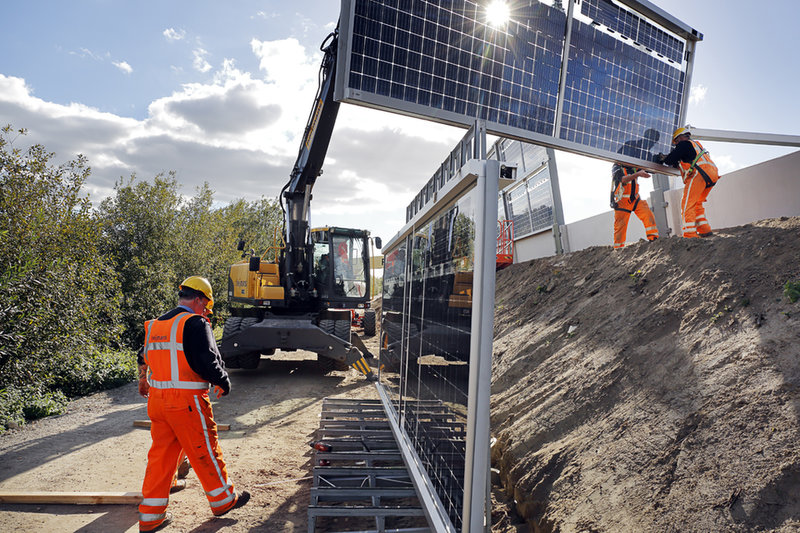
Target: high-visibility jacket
[(620, 191), (702, 164), (167, 367)]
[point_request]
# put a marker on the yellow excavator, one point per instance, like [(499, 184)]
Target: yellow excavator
[(298, 294)]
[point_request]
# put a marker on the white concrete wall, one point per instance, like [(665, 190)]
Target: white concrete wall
[(767, 190)]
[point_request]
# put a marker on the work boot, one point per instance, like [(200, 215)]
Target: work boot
[(179, 485), (241, 501), (159, 527), (183, 468), (708, 234)]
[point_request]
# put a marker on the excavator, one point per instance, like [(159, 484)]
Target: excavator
[(299, 293)]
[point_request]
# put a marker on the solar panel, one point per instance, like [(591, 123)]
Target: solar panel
[(625, 70)]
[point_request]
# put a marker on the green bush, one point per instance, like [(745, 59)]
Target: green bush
[(792, 290), (18, 404), (84, 374)]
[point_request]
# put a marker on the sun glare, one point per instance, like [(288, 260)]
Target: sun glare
[(497, 13)]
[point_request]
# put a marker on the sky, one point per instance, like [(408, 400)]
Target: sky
[(220, 92)]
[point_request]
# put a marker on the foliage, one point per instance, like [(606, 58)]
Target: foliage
[(141, 239), (29, 402), (156, 239), (99, 371), (792, 290), (57, 293), (77, 284)]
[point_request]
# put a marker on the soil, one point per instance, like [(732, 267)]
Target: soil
[(653, 388)]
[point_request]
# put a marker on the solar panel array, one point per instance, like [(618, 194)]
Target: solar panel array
[(439, 59)]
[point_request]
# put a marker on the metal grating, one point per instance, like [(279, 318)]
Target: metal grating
[(361, 481)]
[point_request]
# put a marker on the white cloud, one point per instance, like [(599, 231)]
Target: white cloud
[(199, 63), (123, 66), (697, 94), (85, 52), (266, 16), (171, 34)]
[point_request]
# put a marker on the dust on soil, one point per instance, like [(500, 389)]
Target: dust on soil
[(655, 388)]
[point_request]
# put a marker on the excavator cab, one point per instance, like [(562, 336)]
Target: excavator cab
[(341, 266)]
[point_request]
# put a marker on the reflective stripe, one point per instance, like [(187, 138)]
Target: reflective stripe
[(209, 450), (220, 503), (216, 492), (165, 345), (155, 502), (149, 517), (195, 385)]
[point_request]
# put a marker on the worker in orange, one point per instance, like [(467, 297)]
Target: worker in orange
[(699, 174), (625, 200), (625, 189), (182, 359)]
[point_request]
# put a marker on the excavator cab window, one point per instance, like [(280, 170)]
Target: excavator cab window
[(350, 277)]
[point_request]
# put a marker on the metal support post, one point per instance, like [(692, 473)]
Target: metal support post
[(476, 475)]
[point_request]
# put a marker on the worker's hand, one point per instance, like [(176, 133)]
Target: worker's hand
[(660, 158), (144, 388), (643, 174)]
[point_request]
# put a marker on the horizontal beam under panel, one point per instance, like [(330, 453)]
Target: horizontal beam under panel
[(745, 137)]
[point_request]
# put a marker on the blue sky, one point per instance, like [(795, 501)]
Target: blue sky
[(220, 92)]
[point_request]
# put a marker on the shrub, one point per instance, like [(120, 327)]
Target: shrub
[(84, 374), (792, 290), (31, 402)]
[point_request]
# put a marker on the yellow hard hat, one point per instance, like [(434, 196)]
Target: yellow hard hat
[(202, 285), (680, 131)]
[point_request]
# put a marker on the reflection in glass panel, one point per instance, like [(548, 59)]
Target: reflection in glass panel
[(427, 314)]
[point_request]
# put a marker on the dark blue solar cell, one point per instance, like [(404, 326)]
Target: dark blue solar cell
[(355, 81), (382, 87)]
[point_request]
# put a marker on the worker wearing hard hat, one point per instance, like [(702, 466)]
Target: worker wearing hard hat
[(699, 176), (625, 190), (182, 360)]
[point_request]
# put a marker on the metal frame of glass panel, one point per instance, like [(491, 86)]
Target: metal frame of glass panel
[(627, 68)]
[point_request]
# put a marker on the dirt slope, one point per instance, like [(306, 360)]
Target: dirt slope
[(655, 388)]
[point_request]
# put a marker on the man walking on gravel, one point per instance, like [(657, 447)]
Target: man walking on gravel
[(182, 360)]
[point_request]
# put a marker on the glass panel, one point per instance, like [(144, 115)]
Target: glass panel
[(426, 358), (519, 210)]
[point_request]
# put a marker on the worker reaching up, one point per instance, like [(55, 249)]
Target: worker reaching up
[(182, 359), (699, 175), (625, 197)]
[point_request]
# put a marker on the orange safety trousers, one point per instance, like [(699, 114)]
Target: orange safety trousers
[(182, 420), (695, 193), (622, 214)]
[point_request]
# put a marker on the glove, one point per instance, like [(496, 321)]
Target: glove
[(660, 158)]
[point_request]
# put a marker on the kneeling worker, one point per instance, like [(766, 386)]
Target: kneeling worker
[(182, 360)]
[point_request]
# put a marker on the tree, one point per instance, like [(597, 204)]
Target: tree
[(142, 236), (58, 296)]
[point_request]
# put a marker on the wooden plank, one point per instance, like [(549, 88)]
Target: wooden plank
[(146, 424), (80, 498)]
